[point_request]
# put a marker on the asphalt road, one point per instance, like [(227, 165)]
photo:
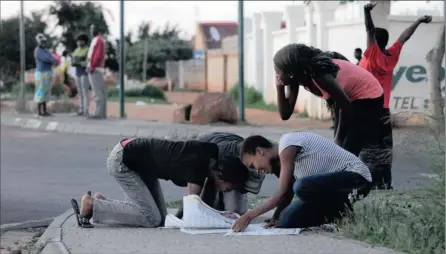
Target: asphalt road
[(41, 172)]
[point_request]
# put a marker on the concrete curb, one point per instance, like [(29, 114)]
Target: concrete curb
[(51, 240), (143, 129), (26, 224)]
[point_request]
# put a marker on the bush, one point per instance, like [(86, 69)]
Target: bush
[(412, 221), (29, 88), (113, 92), (134, 92), (153, 92), (148, 91), (252, 96), (57, 90)]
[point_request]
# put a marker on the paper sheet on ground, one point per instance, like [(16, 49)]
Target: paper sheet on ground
[(199, 218)]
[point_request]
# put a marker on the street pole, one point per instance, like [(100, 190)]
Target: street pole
[(21, 102), (241, 55), (144, 63), (444, 106), (121, 64)]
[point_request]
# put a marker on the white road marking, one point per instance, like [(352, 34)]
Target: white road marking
[(51, 126), (33, 124)]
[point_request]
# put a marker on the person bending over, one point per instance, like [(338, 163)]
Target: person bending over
[(381, 62), (236, 200), (325, 175), (137, 164), (356, 94)]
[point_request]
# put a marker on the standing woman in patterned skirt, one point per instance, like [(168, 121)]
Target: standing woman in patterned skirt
[(44, 74)]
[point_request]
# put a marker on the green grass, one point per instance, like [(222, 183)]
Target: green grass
[(412, 221), (259, 105), (188, 90), (139, 98)]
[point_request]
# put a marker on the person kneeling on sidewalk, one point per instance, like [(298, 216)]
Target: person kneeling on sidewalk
[(325, 175), (235, 201), (137, 164)]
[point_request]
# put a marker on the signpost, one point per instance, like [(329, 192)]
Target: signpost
[(241, 52), (121, 64), (21, 102)]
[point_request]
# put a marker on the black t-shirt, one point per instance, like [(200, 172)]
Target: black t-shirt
[(228, 143), (182, 162)]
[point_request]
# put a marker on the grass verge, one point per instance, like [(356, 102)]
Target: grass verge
[(139, 98), (412, 221)]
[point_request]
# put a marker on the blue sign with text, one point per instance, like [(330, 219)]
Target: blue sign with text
[(198, 54)]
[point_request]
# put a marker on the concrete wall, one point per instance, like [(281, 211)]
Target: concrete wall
[(188, 74), (222, 68)]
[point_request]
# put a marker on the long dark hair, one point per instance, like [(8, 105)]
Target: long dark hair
[(300, 59)]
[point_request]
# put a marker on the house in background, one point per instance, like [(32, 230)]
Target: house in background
[(209, 35)]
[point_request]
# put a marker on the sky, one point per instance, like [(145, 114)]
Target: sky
[(185, 14)]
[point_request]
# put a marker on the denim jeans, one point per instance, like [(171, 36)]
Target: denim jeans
[(144, 205), (321, 199)]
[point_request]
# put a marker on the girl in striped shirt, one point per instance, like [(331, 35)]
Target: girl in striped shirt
[(325, 175)]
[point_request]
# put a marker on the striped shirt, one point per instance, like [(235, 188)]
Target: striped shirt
[(319, 155)]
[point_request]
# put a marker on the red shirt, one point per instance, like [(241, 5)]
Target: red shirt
[(382, 65)]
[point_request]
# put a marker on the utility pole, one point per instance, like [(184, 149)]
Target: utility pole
[(21, 102), (241, 56), (444, 106), (121, 64), (144, 63)]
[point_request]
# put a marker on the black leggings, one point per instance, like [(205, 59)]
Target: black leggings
[(363, 130), (382, 171)]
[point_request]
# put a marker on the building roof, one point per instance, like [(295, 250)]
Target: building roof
[(215, 32)]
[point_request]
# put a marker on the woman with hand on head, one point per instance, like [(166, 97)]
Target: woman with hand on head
[(357, 95)]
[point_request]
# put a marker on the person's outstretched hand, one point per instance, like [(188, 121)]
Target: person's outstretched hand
[(241, 223), (425, 19), (369, 6)]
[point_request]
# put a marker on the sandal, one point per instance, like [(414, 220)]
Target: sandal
[(82, 221)]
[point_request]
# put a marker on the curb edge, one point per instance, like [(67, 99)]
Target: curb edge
[(51, 239), (26, 224)]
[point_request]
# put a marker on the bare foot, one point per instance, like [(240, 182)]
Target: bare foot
[(87, 206), (99, 196)]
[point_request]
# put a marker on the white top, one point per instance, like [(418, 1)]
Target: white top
[(320, 155)]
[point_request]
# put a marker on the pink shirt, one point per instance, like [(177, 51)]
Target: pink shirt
[(357, 82)]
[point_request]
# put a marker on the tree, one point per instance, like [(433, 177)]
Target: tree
[(76, 18), (434, 59), (162, 45), (9, 41)]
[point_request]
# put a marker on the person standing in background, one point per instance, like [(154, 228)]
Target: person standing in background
[(80, 55), (44, 74), (95, 68), (358, 55), (381, 61)]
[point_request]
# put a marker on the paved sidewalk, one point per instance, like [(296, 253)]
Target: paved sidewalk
[(139, 128), (63, 236)]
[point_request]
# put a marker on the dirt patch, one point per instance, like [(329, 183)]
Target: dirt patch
[(20, 241)]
